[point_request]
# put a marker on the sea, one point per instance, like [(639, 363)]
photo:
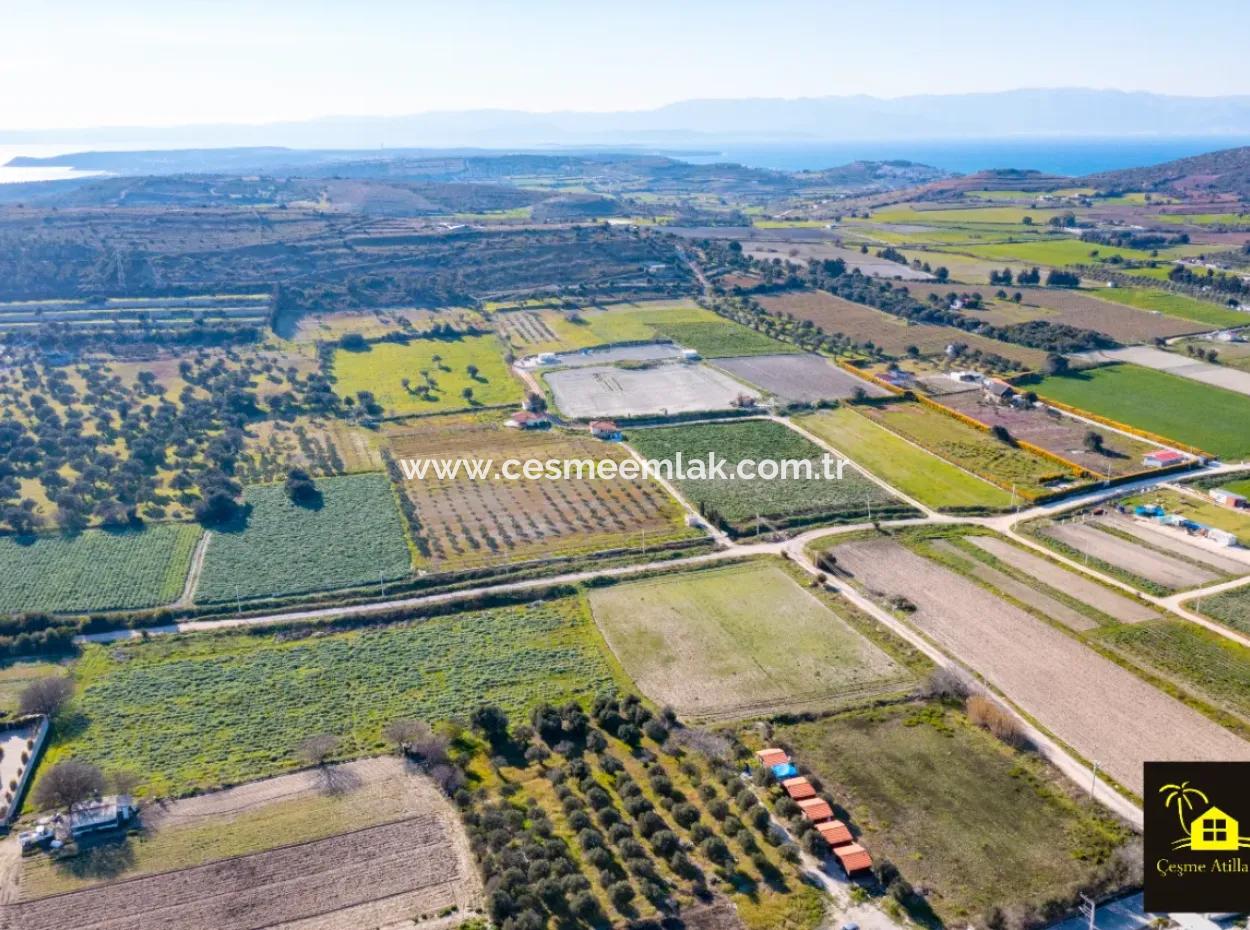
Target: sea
[(1053, 155)]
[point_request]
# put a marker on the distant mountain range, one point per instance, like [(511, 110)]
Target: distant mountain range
[(1066, 112)]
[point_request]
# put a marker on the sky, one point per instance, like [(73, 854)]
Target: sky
[(86, 63)]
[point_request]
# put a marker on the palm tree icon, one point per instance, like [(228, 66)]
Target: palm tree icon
[(1183, 796)]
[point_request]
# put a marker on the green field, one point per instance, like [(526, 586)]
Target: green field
[(1201, 509), (1177, 305), (355, 537), (707, 643), (1055, 252), (1188, 411), (17, 674), (96, 569), (722, 339), (965, 445), (1204, 663), (1232, 608), (382, 367), (978, 824), (927, 478), (196, 712), (784, 500)]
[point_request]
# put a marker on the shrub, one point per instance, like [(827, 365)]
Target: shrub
[(990, 715)]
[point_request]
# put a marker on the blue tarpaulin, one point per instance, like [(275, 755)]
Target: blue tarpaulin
[(785, 770)]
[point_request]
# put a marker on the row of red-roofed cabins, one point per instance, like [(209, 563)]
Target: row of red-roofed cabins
[(851, 856)]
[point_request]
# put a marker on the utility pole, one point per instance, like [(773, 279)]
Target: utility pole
[(238, 601), (1093, 782)]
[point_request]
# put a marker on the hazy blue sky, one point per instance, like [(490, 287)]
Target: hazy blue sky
[(69, 63)]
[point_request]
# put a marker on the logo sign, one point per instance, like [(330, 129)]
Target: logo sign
[(1197, 836)]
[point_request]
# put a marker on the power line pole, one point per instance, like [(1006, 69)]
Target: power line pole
[(1093, 780)]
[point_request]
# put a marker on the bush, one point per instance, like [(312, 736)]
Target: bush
[(621, 894), (991, 716)]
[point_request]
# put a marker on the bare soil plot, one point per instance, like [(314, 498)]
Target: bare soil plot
[(604, 391), (798, 378), (1178, 542), (371, 877), (251, 818), (1231, 379), (803, 252), (1116, 606), (1018, 589), (1131, 557), (463, 522), (1057, 432), (739, 641), (1101, 710), (1075, 308), (894, 335)]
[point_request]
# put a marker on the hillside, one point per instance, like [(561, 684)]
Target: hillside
[(1223, 172)]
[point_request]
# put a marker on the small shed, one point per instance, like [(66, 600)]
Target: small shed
[(773, 756), (1229, 498), (835, 833), (526, 419), (800, 789), (1163, 458), (816, 809), (106, 814), (853, 858)]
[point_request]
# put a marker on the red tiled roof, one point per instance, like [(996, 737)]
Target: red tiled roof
[(835, 832), (771, 757), (525, 416), (799, 788), (854, 858), (816, 809), (603, 425), (1166, 455)]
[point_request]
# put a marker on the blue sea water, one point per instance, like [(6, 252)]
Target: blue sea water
[(1053, 155)]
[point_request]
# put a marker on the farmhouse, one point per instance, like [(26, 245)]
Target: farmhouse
[(1229, 499), (1163, 458), (526, 419), (605, 429), (853, 858), (771, 757), (999, 390)]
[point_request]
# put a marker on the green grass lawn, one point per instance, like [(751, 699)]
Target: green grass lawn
[(353, 537), (683, 322), (1053, 252), (707, 643), (784, 500), (965, 445), (1177, 305), (201, 711), (978, 824), (96, 569), (382, 367), (929, 479), (1198, 414)]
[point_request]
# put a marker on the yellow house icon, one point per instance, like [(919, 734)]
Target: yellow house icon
[(1214, 831)]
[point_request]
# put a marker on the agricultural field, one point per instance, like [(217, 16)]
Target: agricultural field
[(378, 873), (1115, 716), (968, 447), (437, 372), (610, 391), (1057, 433), (1085, 309), (1232, 607), (377, 322), (1210, 315), (684, 322), (17, 674), (352, 536), (920, 475), (720, 643), (1202, 416), (299, 808), (96, 569), (785, 501), (891, 334), (1174, 363), (1199, 507), (199, 712), (466, 523), (977, 824), (1052, 252), (803, 378)]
